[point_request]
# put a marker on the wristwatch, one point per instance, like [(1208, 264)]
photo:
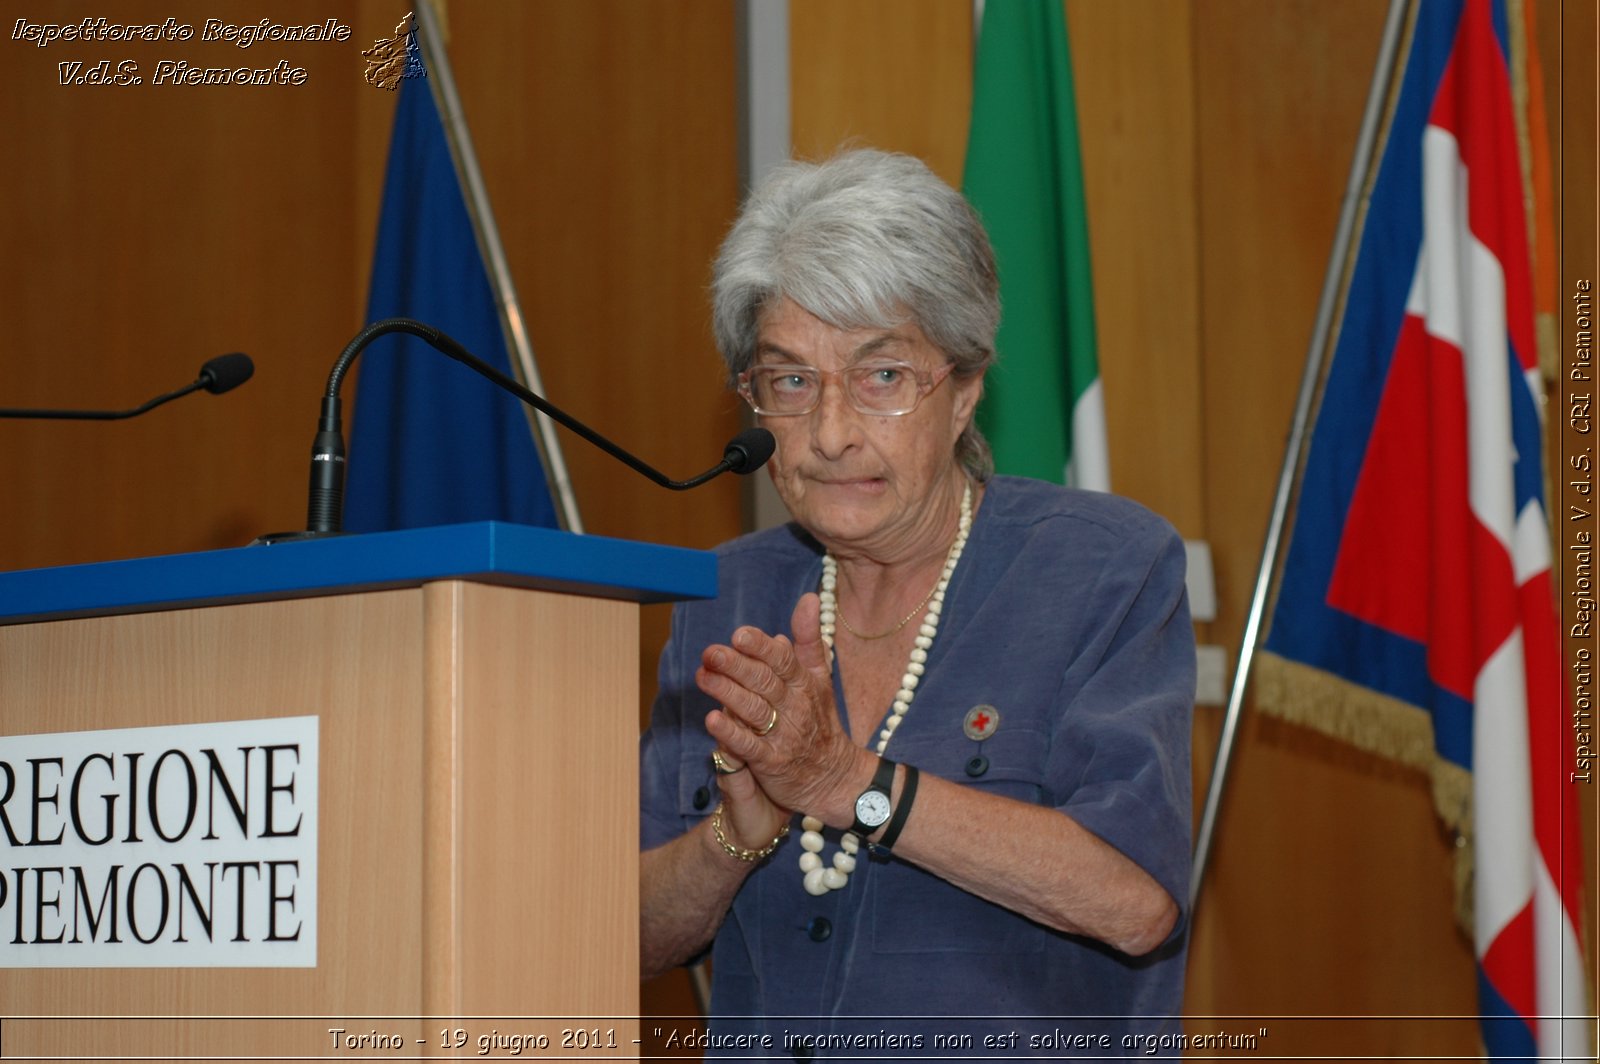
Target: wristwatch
[(872, 804)]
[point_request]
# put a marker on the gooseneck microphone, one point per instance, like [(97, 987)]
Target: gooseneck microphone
[(745, 453), (220, 374)]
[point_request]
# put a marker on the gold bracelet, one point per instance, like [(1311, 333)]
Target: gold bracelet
[(734, 851)]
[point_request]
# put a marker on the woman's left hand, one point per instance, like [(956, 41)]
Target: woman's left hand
[(778, 715)]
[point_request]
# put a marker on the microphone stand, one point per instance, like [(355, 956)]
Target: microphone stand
[(745, 453), (218, 375)]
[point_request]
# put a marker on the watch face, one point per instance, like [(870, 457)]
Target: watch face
[(872, 808)]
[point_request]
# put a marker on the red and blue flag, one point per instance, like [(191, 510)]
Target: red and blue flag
[(1419, 570)]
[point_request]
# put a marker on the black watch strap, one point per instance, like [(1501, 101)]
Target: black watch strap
[(902, 809), (882, 781)]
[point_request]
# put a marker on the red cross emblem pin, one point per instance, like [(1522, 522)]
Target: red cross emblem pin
[(980, 723)]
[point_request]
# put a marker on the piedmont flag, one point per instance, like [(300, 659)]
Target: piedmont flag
[(431, 442), (1043, 410), (1415, 612)]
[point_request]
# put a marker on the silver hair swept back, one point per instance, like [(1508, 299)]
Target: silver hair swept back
[(867, 239)]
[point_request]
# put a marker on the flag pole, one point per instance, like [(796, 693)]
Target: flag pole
[(442, 84), (1357, 190)]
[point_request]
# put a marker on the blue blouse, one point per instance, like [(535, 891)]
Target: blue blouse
[(1067, 616)]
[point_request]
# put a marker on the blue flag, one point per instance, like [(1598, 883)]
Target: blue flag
[(431, 442)]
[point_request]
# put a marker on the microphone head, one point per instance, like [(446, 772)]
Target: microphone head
[(749, 451), (226, 372)]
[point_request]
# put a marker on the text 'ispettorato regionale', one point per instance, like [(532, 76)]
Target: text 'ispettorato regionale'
[(127, 71)]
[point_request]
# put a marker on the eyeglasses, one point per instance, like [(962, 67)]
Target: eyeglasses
[(887, 389)]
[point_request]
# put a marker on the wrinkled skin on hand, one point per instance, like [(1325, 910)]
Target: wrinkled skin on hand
[(807, 761)]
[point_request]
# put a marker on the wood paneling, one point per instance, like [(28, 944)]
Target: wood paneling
[(607, 138), (153, 226), (148, 227), (892, 74), (1134, 75)]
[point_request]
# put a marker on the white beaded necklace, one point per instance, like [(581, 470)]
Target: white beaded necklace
[(818, 878)]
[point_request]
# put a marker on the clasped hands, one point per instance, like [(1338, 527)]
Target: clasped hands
[(778, 718)]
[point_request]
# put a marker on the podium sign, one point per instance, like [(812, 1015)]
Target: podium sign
[(187, 846)]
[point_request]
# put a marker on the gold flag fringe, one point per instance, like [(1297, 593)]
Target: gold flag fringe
[(1378, 724)]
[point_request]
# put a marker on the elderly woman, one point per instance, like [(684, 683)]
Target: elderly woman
[(927, 754)]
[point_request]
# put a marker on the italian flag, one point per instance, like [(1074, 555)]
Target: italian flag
[(1043, 410)]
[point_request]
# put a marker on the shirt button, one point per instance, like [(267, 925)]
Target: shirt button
[(819, 929), (702, 798), (977, 766)]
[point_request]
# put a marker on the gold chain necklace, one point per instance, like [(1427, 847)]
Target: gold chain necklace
[(903, 621)]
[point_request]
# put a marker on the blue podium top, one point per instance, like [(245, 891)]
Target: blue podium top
[(489, 552)]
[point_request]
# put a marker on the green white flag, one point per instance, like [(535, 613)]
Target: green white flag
[(1043, 410)]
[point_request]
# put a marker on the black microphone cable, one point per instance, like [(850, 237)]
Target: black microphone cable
[(745, 453)]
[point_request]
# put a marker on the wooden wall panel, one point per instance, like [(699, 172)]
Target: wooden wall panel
[(607, 141), (148, 228), (892, 74), (163, 225), (1134, 77)]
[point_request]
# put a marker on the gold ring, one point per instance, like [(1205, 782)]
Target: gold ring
[(772, 722), (720, 763)]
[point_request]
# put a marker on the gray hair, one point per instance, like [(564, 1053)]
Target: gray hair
[(864, 240)]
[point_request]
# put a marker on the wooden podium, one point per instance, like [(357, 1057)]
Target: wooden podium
[(468, 700)]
